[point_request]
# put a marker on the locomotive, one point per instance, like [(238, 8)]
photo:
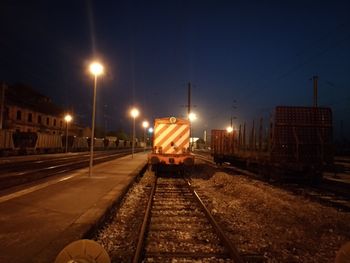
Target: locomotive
[(19, 143), (171, 143), (298, 144)]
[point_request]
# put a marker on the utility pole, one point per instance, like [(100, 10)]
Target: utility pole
[(189, 111), (234, 107), (3, 86), (315, 79)]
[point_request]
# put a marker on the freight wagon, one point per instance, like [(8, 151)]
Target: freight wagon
[(171, 145), (19, 143), (298, 143), (35, 142), (6, 142)]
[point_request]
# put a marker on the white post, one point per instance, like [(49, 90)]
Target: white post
[(66, 136), (93, 128), (133, 138)]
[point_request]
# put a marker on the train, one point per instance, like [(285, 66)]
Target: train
[(297, 144), (171, 145), (22, 143)]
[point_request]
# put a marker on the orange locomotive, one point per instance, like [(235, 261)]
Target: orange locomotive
[(171, 143)]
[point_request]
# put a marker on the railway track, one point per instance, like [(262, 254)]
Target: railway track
[(27, 172), (327, 193), (178, 226)]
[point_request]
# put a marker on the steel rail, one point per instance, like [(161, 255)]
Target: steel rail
[(227, 243), (141, 238), (13, 180), (328, 193), (234, 254)]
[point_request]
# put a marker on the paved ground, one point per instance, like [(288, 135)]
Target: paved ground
[(37, 223)]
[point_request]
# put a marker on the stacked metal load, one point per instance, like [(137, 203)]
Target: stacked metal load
[(302, 134)]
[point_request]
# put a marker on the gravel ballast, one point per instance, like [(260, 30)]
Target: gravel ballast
[(264, 219)]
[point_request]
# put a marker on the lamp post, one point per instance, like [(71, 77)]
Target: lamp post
[(145, 125), (192, 117), (150, 131), (134, 113), (96, 69), (68, 119)]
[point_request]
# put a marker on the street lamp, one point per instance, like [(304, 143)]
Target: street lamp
[(68, 119), (150, 131), (229, 129), (192, 117), (134, 113), (145, 125), (96, 69)]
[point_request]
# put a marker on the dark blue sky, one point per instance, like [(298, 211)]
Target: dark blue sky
[(253, 55)]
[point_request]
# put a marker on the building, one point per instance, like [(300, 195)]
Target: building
[(25, 110)]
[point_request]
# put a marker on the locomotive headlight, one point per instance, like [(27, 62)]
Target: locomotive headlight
[(172, 120)]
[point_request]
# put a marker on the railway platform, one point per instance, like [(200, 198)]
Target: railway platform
[(36, 223)]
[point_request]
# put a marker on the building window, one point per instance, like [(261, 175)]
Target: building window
[(61, 123), (39, 119), (30, 117), (19, 115), (47, 121), (54, 122)]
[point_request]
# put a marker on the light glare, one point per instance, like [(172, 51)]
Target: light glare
[(192, 116), (229, 129), (145, 124), (96, 68), (68, 118), (134, 112)]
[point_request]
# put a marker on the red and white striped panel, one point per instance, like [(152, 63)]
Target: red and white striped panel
[(172, 137)]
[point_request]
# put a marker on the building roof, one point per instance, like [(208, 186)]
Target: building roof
[(25, 96)]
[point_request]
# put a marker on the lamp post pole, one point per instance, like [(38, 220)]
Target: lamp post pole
[(145, 125), (66, 136), (133, 138), (96, 69), (192, 117), (67, 118), (134, 113), (93, 128)]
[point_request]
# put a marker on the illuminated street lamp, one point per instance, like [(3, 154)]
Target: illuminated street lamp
[(96, 69), (192, 117), (134, 114), (150, 131), (68, 118), (145, 125), (229, 129)]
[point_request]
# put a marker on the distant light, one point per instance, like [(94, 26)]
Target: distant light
[(134, 112), (192, 116), (96, 68), (145, 124), (68, 118), (150, 130), (229, 129)]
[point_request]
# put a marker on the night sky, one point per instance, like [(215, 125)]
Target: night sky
[(243, 58)]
